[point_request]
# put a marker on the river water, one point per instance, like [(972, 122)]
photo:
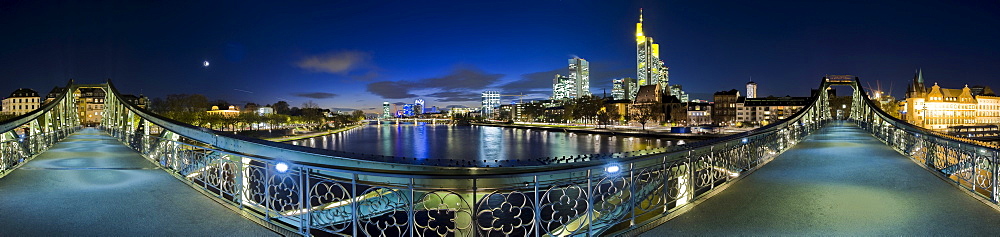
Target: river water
[(460, 142)]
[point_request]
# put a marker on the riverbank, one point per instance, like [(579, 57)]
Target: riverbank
[(609, 131), (312, 134)]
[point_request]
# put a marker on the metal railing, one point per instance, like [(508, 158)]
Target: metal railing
[(969, 164), (39, 130), (16, 152), (314, 192)]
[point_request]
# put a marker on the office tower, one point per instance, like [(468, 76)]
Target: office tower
[(650, 69), (385, 110), (579, 71), (624, 88), (491, 101)]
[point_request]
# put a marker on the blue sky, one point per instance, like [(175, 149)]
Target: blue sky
[(356, 54)]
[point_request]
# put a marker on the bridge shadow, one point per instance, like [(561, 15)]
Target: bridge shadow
[(89, 185), (839, 181)]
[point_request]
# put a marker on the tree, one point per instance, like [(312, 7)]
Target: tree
[(281, 107), (251, 107), (186, 103), (358, 115), (644, 114), (310, 105), (158, 105)]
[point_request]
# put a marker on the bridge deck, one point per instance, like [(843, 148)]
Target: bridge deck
[(90, 185), (839, 181)]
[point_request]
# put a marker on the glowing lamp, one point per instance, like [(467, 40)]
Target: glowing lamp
[(612, 169), (281, 167)]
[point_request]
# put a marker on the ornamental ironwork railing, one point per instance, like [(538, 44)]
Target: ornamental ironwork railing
[(25, 136), (312, 191), (969, 164)]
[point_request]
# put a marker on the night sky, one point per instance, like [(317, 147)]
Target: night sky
[(356, 54)]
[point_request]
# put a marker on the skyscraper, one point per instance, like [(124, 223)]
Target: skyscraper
[(751, 89), (562, 87), (624, 88), (649, 67), (678, 91), (418, 106), (579, 71), (575, 85), (491, 101), (385, 110)]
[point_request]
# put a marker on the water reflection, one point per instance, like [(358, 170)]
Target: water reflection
[(475, 143)]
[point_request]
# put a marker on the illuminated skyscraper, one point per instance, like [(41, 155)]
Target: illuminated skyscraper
[(575, 85), (562, 87), (385, 110), (751, 89), (491, 101), (624, 88), (418, 106), (579, 71), (649, 67)]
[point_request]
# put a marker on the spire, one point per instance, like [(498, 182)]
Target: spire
[(639, 37), (920, 76)]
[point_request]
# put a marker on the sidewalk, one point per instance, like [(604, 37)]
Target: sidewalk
[(92, 185)]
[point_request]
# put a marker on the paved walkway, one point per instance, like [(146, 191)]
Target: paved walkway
[(842, 182), (92, 185)]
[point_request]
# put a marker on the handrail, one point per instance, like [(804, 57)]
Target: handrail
[(345, 160), (243, 172), (23, 119)]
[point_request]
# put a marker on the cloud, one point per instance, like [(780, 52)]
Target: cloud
[(391, 89), (354, 64), (317, 95), (399, 103), (533, 81), (342, 109), (460, 79), (455, 96), (456, 106)]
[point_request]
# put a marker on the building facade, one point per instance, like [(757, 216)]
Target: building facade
[(90, 103), (490, 103), (563, 87), (751, 89), (576, 84), (579, 71), (724, 109), (940, 108), (764, 111), (418, 106), (21, 101), (623, 88), (678, 91), (699, 113), (386, 112)]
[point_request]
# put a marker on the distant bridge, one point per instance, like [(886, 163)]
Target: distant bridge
[(308, 191)]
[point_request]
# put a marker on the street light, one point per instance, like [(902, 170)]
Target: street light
[(925, 116)]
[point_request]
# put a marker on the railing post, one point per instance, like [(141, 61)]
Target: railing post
[(632, 194), (665, 172), (305, 222), (409, 212), (996, 170), (538, 209), (354, 204), (590, 204), (472, 204)]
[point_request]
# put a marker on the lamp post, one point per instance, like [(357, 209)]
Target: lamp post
[(925, 116)]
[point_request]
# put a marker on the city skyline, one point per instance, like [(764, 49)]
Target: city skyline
[(357, 56)]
